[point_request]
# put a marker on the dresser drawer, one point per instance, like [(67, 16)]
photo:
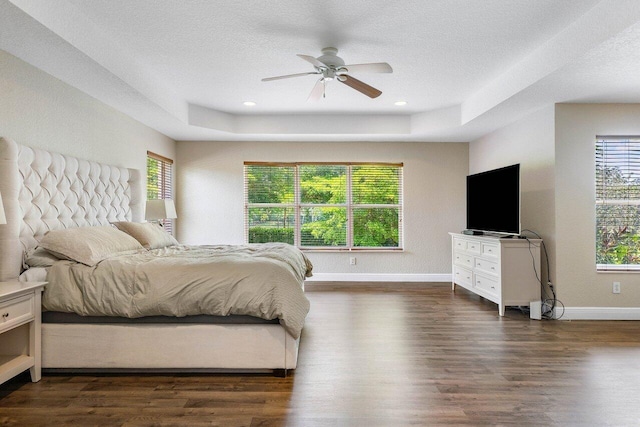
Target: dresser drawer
[(489, 249), (463, 260), (482, 264), (473, 247), (488, 285), (459, 245), (16, 311), (462, 276)]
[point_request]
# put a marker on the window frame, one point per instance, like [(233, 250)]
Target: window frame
[(165, 184), (613, 139), (297, 205)]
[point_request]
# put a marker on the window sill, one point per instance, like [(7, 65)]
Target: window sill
[(367, 250), (626, 268)]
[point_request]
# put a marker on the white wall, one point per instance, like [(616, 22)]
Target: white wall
[(576, 128), (41, 111), (530, 142), (210, 197)]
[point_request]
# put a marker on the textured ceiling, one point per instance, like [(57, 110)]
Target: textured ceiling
[(463, 66)]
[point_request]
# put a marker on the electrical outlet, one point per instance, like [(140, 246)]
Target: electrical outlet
[(352, 260), (616, 288)]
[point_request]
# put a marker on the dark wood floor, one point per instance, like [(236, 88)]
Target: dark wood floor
[(379, 356)]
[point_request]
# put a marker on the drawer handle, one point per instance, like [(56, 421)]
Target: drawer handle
[(493, 268), (493, 287), (479, 265)]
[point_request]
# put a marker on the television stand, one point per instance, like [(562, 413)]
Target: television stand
[(504, 271)]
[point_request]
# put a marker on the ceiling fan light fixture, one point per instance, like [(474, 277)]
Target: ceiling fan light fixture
[(249, 104), (330, 58), (331, 67)]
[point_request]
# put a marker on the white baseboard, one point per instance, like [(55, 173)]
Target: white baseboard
[(598, 313), (373, 277)]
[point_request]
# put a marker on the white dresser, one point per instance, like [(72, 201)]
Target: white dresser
[(502, 270)]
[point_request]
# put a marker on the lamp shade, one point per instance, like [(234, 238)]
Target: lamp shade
[(160, 209), (3, 218)]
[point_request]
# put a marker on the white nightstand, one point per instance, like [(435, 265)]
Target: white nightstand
[(20, 312)]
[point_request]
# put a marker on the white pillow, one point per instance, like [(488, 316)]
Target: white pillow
[(89, 245), (150, 235)]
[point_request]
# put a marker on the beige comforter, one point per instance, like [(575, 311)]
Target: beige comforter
[(261, 280)]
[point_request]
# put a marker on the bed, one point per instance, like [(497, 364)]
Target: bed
[(44, 192)]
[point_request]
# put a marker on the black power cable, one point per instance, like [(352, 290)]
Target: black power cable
[(547, 300)]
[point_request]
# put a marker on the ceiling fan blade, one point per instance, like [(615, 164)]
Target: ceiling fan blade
[(361, 87), (313, 61), (287, 76), (374, 67), (317, 91)]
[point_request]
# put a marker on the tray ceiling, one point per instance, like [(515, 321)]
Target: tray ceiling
[(464, 67)]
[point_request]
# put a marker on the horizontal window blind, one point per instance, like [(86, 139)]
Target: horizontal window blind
[(324, 205), (617, 203), (376, 196), (160, 182), (270, 203)]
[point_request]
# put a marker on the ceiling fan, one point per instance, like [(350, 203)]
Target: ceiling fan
[(330, 66)]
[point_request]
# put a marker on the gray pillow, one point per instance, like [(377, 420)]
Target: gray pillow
[(89, 245), (150, 235), (40, 257)]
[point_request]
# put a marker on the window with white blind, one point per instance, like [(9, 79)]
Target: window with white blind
[(617, 203), (324, 205), (159, 182)]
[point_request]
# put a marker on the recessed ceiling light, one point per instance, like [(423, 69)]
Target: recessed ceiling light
[(249, 103), (400, 103)]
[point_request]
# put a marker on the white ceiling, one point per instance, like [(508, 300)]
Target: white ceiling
[(465, 67)]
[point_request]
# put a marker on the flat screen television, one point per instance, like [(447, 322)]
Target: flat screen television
[(493, 201)]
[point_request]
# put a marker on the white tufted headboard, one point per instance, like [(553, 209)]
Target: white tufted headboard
[(45, 191)]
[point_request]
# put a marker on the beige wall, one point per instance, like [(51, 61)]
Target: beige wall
[(530, 142), (41, 111), (577, 126), (556, 148), (210, 197)]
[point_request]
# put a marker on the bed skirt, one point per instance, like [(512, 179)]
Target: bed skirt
[(177, 347)]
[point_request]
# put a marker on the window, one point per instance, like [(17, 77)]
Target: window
[(617, 203), (159, 182), (324, 205)]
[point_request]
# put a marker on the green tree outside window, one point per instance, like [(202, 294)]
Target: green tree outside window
[(617, 203), (324, 205)]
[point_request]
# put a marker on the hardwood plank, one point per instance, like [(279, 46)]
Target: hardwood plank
[(378, 355)]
